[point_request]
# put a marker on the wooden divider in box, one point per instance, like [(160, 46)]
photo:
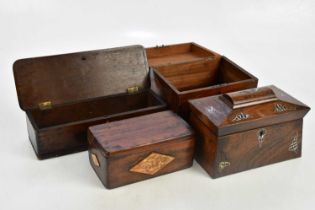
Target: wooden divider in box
[(187, 71)]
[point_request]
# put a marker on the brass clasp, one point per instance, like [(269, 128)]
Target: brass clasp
[(133, 89), (45, 105)]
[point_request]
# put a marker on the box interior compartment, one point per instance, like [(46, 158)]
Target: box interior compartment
[(201, 74), (180, 53), (96, 108)]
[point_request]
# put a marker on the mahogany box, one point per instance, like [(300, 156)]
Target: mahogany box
[(63, 95), (187, 71), (247, 129), (139, 148)]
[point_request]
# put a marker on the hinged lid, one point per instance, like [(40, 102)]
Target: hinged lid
[(44, 82), (247, 109), (166, 55), (137, 132)]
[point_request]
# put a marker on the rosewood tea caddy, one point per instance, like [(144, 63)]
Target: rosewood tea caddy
[(247, 129), (139, 148), (188, 71), (63, 95)]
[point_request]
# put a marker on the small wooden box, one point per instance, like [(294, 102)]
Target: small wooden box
[(188, 71), (140, 148), (247, 129), (63, 95)]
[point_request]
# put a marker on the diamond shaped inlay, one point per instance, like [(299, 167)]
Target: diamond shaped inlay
[(152, 163), (294, 146), (95, 160)]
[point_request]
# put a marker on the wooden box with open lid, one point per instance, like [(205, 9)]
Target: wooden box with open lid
[(187, 71), (63, 95)]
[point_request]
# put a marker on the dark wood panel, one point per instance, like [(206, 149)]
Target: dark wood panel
[(139, 131), (87, 110), (257, 112), (191, 75), (166, 90), (121, 145), (167, 50), (231, 72), (179, 53), (51, 138), (64, 94), (181, 150), (206, 146), (244, 150), (79, 76), (247, 129)]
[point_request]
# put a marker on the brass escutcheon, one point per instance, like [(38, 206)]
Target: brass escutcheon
[(95, 160), (261, 135), (223, 165)]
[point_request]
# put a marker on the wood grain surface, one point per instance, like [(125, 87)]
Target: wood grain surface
[(81, 89), (72, 77), (188, 71), (121, 145), (247, 129)]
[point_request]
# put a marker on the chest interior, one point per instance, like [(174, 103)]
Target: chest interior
[(189, 66), (105, 107), (84, 86)]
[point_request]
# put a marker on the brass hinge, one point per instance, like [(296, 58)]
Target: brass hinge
[(160, 46), (133, 89), (45, 105)]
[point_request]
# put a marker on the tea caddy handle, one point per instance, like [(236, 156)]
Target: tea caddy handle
[(249, 97)]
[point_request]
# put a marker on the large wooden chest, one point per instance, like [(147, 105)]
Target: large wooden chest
[(247, 129), (140, 148), (63, 95), (188, 71)]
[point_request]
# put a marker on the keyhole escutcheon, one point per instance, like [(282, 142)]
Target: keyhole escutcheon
[(261, 136)]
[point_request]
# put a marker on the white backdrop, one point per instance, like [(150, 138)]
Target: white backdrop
[(274, 40)]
